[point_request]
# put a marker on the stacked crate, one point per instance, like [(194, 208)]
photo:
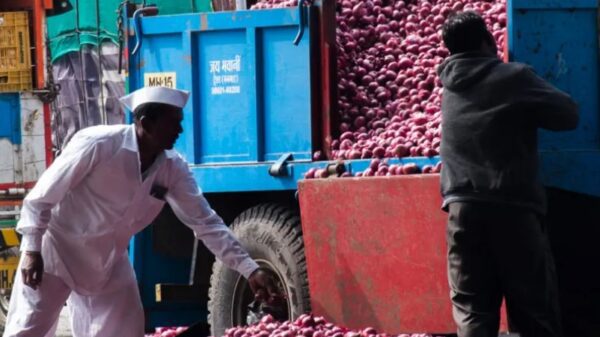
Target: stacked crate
[(15, 55)]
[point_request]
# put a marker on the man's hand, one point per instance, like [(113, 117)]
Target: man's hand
[(32, 269), (264, 288)]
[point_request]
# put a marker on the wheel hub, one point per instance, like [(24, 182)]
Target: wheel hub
[(245, 310)]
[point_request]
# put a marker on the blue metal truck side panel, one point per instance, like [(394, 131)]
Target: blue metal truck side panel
[(250, 86), (10, 117), (560, 40), (286, 97), (220, 116), (234, 103)]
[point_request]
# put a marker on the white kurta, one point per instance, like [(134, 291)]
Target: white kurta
[(90, 202)]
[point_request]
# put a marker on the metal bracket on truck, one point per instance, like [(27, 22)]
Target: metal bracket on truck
[(280, 167)]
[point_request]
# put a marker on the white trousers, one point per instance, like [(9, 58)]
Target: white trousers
[(34, 313)]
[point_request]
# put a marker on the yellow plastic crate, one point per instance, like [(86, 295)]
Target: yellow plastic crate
[(18, 80), (8, 269), (15, 47)]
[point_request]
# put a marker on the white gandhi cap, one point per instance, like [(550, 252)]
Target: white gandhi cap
[(162, 95)]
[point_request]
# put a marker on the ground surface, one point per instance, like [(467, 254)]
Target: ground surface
[(64, 325)]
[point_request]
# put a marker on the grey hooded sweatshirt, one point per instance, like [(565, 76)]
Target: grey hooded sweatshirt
[(491, 112)]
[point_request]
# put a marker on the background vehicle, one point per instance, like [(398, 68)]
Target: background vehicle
[(25, 139)]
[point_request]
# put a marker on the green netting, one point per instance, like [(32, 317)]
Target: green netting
[(8, 223), (81, 24), (167, 7), (84, 24)]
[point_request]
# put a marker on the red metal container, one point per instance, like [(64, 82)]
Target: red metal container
[(376, 252)]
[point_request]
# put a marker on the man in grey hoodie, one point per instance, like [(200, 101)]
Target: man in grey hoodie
[(497, 244)]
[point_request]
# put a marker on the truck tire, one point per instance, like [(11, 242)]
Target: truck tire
[(272, 235)]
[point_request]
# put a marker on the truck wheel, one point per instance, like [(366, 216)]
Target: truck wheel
[(272, 235)]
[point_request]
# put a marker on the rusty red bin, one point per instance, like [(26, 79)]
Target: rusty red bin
[(376, 252)]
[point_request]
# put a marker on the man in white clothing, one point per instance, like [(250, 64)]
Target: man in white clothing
[(108, 184)]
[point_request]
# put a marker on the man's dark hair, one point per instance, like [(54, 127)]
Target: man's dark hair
[(151, 111), (465, 32)]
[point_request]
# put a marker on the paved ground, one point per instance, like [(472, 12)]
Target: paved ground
[(64, 329), (64, 325)]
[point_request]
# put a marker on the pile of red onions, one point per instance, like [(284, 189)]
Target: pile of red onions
[(268, 4), (377, 168), (381, 168), (304, 326), (167, 331), (389, 92)]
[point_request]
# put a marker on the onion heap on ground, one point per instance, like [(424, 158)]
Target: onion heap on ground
[(167, 331), (305, 326)]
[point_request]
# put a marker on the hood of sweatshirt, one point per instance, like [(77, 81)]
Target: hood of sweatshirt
[(461, 71)]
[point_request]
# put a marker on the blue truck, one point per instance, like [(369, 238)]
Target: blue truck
[(262, 101)]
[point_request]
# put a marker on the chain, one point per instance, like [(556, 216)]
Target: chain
[(51, 90), (48, 96), (120, 32)]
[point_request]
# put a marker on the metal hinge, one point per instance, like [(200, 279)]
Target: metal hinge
[(279, 169)]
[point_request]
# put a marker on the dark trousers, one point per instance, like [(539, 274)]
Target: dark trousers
[(497, 251)]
